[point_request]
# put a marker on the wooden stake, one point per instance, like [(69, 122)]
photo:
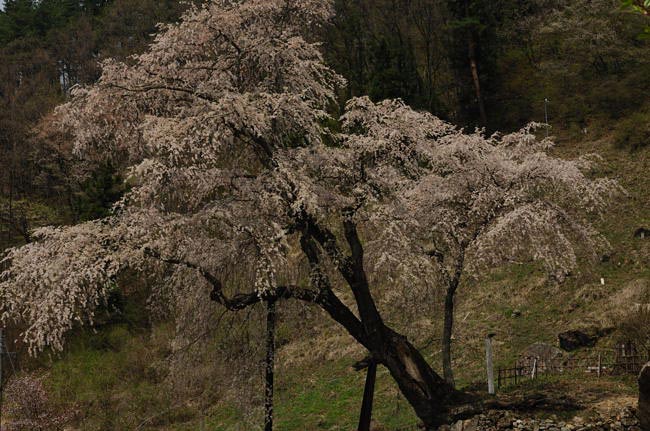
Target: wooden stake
[(533, 373), (270, 362), (368, 395)]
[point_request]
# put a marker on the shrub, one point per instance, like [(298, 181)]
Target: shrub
[(29, 407), (633, 133), (634, 328)]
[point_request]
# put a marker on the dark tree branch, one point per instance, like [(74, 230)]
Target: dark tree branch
[(350, 267), (148, 88), (355, 275), (324, 297), (328, 299)]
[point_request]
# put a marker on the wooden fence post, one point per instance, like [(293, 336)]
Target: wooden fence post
[(270, 364), (490, 364), (368, 395), (600, 365)]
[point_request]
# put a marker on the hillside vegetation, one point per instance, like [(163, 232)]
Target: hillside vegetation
[(121, 378)]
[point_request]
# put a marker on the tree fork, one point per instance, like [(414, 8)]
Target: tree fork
[(426, 391)]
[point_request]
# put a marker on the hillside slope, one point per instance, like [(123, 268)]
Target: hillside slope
[(120, 378)]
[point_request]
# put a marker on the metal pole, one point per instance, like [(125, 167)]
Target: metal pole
[(546, 115), (600, 364), (490, 365)]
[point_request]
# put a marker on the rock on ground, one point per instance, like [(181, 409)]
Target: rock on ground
[(496, 420)]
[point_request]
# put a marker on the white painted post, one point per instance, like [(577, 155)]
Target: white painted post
[(533, 373), (489, 363), (600, 365)]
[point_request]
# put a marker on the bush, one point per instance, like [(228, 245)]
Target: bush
[(633, 133), (634, 328), (29, 407)]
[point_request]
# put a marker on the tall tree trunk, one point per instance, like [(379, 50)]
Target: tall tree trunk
[(270, 363), (429, 394), (447, 331), (471, 52)]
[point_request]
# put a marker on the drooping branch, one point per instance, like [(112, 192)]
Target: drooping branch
[(238, 301), (323, 297)]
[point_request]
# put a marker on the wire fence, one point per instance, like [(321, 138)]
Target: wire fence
[(624, 359)]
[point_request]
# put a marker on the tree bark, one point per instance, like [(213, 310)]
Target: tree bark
[(429, 395), (453, 281), (446, 336), (471, 50)]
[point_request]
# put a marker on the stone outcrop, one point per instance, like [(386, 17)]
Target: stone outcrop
[(497, 420), (577, 338)]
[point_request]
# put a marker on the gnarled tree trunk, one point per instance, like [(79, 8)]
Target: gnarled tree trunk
[(429, 394)]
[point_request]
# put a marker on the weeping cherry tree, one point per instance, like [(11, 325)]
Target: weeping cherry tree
[(239, 182)]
